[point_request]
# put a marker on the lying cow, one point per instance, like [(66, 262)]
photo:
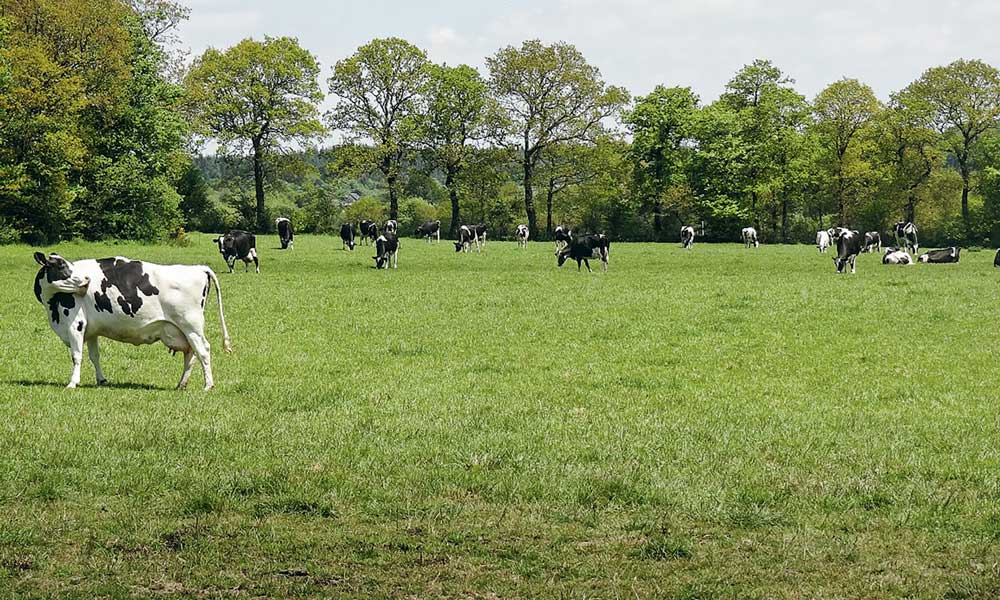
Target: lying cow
[(583, 248), (239, 245), (905, 233), (466, 237), (285, 233), (428, 229), (687, 236), (895, 256), (386, 250), (562, 236), (947, 255), (347, 236), (128, 301), (823, 240), (873, 242), (749, 235), (368, 230), (521, 234), (849, 245)]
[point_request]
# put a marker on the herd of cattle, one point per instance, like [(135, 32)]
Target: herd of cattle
[(143, 303)]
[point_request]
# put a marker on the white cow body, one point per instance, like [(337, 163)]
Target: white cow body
[(522, 234), (823, 241), (129, 301), (749, 235)]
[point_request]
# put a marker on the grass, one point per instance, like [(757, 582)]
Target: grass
[(717, 423)]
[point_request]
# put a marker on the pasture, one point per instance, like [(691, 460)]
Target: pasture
[(712, 423)]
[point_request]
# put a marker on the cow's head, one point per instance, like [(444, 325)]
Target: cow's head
[(58, 274), (458, 246), (220, 241), (561, 257)]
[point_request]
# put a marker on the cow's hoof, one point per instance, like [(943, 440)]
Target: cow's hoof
[(102, 383), (208, 387), (71, 386)]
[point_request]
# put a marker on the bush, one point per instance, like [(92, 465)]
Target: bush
[(368, 208), (414, 212)]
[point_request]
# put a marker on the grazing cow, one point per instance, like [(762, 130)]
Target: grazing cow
[(687, 236), (849, 245), (285, 233), (428, 229), (583, 248), (128, 301), (521, 234), (895, 256), (239, 245), (466, 237), (749, 235), (873, 242), (996, 259), (947, 255), (905, 233), (562, 236), (386, 250), (823, 241), (347, 236), (369, 230), (391, 225)]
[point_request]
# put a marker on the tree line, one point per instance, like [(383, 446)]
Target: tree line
[(100, 120)]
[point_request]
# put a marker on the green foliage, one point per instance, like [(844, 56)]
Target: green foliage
[(368, 208), (414, 212)]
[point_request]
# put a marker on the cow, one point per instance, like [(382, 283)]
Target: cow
[(562, 236), (895, 256), (521, 234), (347, 236), (823, 240), (368, 230), (391, 225), (128, 301), (749, 235), (466, 237), (905, 233), (947, 255), (285, 233), (996, 259), (849, 245), (687, 236), (239, 245), (480, 232), (428, 229), (873, 242), (386, 250), (583, 248)]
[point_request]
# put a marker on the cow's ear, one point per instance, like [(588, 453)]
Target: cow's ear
[(40, 259)]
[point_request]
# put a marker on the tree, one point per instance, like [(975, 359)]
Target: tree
[(552, 96), (259, 96), (459, 112), (964, 101), (906, 145), (842, 111), (378, 91)]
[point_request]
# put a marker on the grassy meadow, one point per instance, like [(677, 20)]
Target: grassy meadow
[(713, 423)]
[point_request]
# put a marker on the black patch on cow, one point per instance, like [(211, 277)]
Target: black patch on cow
[(129, 278), (102, 302), (38, 284), (66, 301), (204, 292), (79, 326)]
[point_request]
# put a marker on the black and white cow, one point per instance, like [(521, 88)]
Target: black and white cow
[(823, 241), (947, 255), (873, 242), (239, 245), (285, 233), (687, 236), (749, 235), (128, 301), (391, 226), (480, 232), (905, 233), (996, 259), (521, 234), (849, 245), (562, 236), (368, 231), (895, 256), (583, 248), (466, 237), (429, 229), (347, 236), (386, 250)]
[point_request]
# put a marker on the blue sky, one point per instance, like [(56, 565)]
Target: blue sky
[(638, 43)]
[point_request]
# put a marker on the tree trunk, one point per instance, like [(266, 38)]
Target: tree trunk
[(449, 182), (753, 210), (965, 201), (393, 200), (258, 184), (548, 206), (529, 199)]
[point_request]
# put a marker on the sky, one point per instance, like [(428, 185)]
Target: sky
[(637, 43)]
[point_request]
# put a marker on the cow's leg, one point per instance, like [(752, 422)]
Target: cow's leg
[(201, 347), (395, 259), (256, 261), (231, 262), (95, 357), (76, 353), (188, 367), (853, 259)]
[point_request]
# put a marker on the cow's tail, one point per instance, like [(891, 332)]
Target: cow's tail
[(226, 343)]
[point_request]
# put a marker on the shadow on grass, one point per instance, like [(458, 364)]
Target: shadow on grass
[(113, 386)]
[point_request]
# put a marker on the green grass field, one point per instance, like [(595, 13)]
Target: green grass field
[(717, 423)]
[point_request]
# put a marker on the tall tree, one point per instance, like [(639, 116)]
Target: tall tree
[(256, 96), (378, 91), (964, 100), (459, 112), (906, 145), (552, 96), (842, 111)]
